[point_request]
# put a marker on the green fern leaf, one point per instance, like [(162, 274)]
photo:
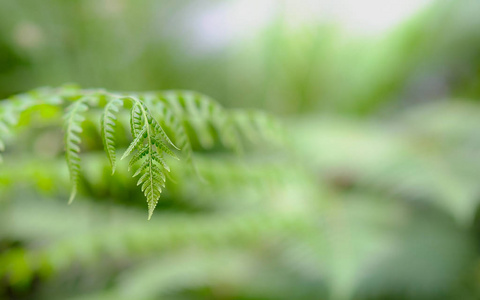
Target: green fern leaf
[(184, 115), (172, 118), (152, 180), (108, 130), (152, 177), (137, 156), (159, 158), (197, 120), (135, 143), (160, 145), (73, 120), (136, 123), (159, 130)]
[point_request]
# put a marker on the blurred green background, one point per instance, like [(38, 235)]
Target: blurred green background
[(378, 197)]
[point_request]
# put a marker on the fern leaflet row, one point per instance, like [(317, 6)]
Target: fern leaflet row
[(108, 129), (73, 128)]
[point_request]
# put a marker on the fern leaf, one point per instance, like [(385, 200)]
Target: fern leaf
[(136, 142), (160, 145), (73, 120), (197, 121), (151, 174), (213, 113), (141, 168), (158, 158), (182, 137), (153, 117), (244, 125), (151, 183), (108, 130), (137, 156), (172, 118), (136, 123), (157, 129)]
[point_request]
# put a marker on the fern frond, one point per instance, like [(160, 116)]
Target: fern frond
[(159, 130), (147, 142), (197, 120), (108, 130), (73, 121), (212, 112), (161, 146), (152, 182), (202, 114), (160, 123), (258, 127), (9, 112), (158, 157), (182, 138), (172, 116)]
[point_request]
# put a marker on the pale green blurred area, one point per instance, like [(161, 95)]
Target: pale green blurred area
[(377, 199)]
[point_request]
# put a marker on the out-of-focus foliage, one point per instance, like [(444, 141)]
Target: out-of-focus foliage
[(151, 45), (375, 196)]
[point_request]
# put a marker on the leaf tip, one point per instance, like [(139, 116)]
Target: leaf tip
[(72, 196)]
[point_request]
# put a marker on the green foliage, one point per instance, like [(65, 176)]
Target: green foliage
[(73, 122), (380, 199), (108, 130), (147, 141), (353, 217), (187, 116)]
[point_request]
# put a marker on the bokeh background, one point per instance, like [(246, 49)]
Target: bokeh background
[(377, 198)]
